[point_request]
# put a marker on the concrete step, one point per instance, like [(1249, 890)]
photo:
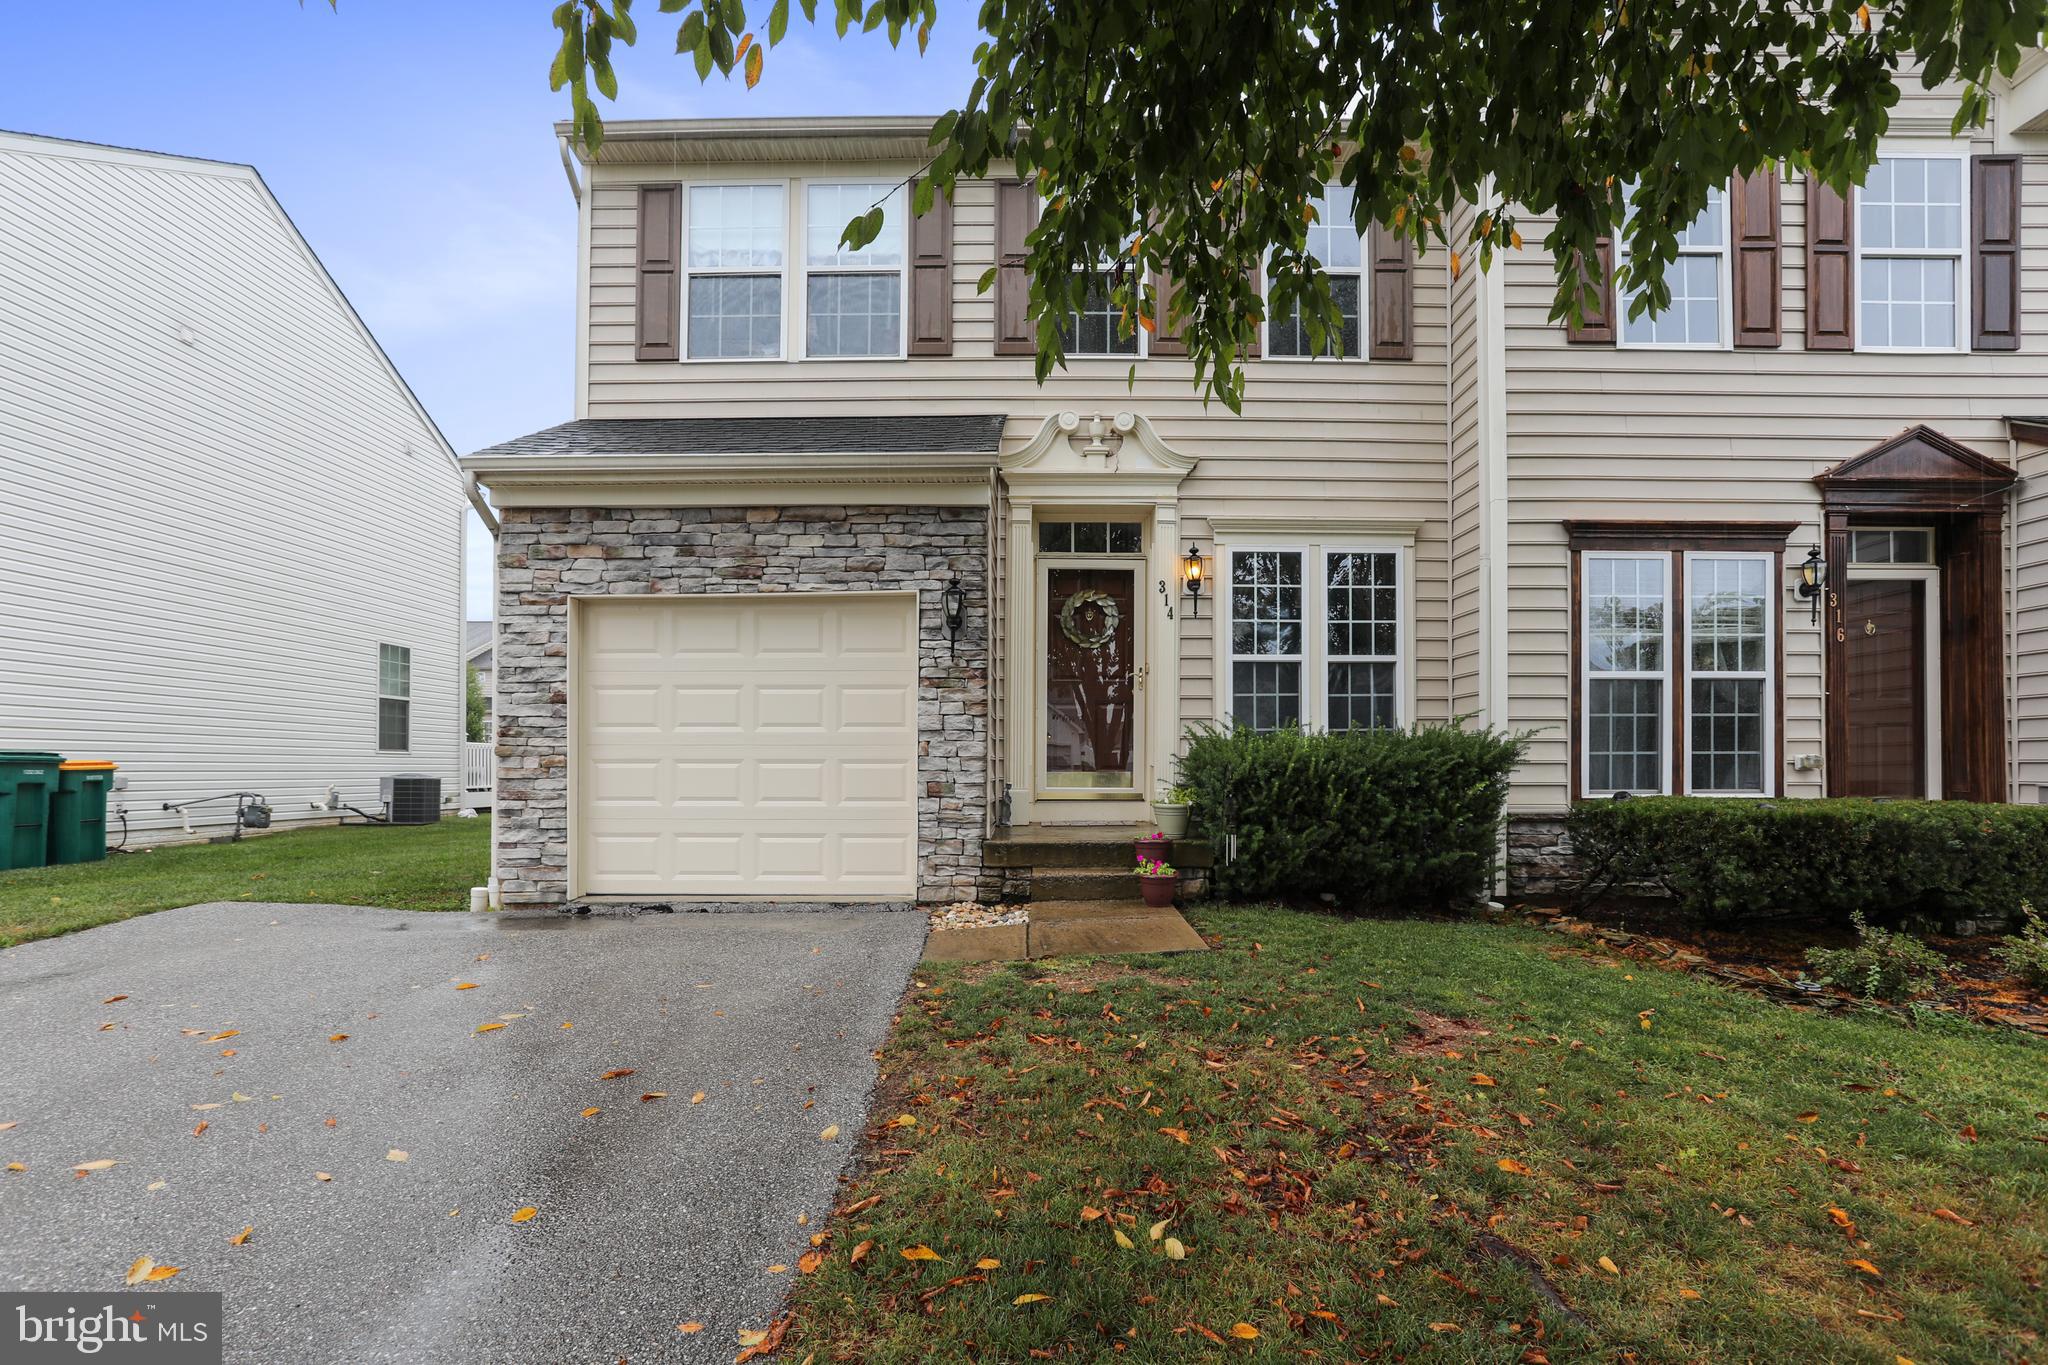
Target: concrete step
[(1076, 884), (1085, 851)]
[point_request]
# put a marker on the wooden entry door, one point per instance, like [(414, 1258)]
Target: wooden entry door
[(1886, 694), (1091, 663)]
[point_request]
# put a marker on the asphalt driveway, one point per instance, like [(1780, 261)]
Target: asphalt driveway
[(224, 1088)]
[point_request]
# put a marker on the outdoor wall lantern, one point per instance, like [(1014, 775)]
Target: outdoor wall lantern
[(1191, 576), (955, 603), (1813, 580)]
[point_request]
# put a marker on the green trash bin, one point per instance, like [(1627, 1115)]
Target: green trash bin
[(78, 810), (26, 780)]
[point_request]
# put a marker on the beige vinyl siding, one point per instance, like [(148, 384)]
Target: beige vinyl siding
[(1606, 432), (219, 500), (2029, 700), (1316, 440)]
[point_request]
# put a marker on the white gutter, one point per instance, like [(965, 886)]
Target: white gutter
[(569, 165)]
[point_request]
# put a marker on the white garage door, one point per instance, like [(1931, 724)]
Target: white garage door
[(748, 746)]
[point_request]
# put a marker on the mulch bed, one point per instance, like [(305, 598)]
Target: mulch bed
[(1769, 959)]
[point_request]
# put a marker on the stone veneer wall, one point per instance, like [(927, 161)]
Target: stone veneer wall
[(1542, 866), (546, 556)]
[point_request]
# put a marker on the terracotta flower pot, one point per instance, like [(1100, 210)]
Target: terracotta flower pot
[(1159, 891), (1154, 850)]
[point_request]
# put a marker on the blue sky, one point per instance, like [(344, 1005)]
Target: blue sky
[(413, 145)]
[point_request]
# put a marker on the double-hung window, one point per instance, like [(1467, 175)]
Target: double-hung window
[(1693, 630), (1099, 327), (734, 256), (1698, 312), (1334, 242), (1316, 637), (853, 300), (1911, 227), (394, 697)]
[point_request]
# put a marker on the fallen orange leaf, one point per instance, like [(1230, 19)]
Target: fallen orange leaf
[(987, 1263), (524, 1215), (1023, 1299), (616, 1072), (113, 1000), (1179, 1135), (777, 1269), (654, 1095), (697, 1098), (203, 1126), (921, 1252), (396, 1155), (162, 1272), (810, 1261), (1951, 1216), (489, 1028), (140, 1270), (592, 1110), (220, 1037), (1445, 1327), (337, 1037), (829, 1133), (86, 1167), (322, 1176), (689, 1329), (1609, 1266), (241, 1238), (1244, 1331), (1481, 1078), (858, 1252), (465, 985), (1513, 1167), (1867, 1268)]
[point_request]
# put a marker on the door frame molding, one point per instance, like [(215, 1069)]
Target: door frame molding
[(1930, 661), (1923, 478), (1100, 464), (1137, 565)]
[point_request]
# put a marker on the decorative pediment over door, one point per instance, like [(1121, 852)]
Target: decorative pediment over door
[(1917, 470)]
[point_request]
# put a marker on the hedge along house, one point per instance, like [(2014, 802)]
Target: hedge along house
[(820, 591)]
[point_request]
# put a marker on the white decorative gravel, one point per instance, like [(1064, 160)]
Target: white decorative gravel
[(974, 915)]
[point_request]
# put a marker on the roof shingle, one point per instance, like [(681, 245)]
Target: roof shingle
[(979, 433)]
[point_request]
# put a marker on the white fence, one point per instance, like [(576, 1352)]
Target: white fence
[(478, 765)]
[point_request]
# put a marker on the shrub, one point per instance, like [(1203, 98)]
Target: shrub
[(1383, 818), (2025, 954), (1726, 858), (1882, 966)]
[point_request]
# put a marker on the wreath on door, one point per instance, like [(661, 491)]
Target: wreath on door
[(1089, 618)]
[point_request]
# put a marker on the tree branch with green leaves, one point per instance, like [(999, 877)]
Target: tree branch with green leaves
[(1190, 139)]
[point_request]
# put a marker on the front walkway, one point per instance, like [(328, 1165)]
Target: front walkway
[(228, 1057)]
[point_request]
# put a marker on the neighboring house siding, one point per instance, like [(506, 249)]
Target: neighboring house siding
[(2029, 719), (1316, 440), (219, 501), (1607, 432)]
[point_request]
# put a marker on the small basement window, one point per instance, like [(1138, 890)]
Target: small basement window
[(394, 697)]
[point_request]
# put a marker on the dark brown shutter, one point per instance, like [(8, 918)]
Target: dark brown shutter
[(1830, 268), (1393, 296), (1596, 298), (1254, 349), (1166, 336), (1995, 253), (1753, 221), (1016, 214), (931, 279), (658, 246)]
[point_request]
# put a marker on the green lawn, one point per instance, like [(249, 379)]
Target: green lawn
[(1429, 1140), (425, 867)]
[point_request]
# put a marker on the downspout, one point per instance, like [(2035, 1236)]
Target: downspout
[(2012, 622), (484, 511)]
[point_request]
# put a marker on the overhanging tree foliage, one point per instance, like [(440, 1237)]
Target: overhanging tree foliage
[(1187, 138)]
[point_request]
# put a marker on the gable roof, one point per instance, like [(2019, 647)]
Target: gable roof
[(476, 637), (976, 434), (1919, 458), (104, 154)]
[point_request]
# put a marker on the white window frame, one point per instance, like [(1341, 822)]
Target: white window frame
[(1768, 768), (1724, 273), (1315, 657), (1587, 672), (405, 653), (799, 252), (784, 350), (1108, 271), (1896, 151), (1364, 272)]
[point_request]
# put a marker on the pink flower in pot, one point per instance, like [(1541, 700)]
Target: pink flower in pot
[(1158, 883), (1153, 848)]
